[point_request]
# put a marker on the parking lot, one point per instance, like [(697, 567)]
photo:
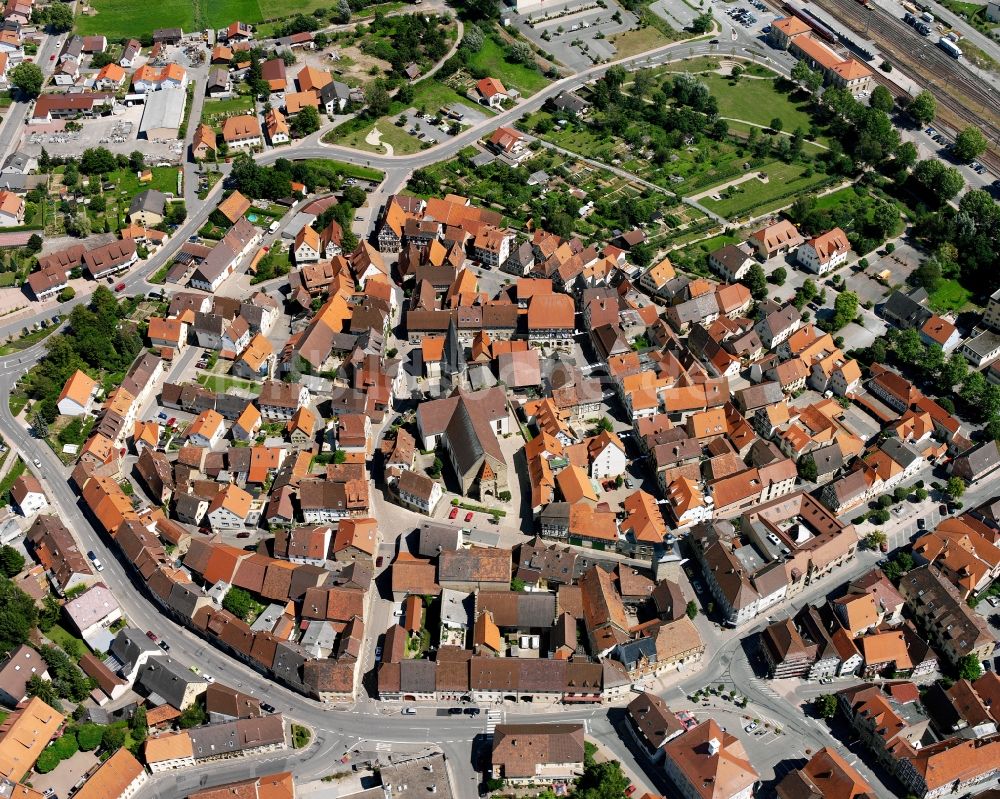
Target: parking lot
[(434, 127), (581, 38)]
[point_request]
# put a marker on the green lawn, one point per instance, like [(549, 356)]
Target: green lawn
[(119, 19), (213, 111), (7, 483), (29, 340), (490, 59), (950, 296), (402, 142), (164, 179), (64, 638), (785, 181), (220, 384), (347, 170), (433, 95), (756, 100)]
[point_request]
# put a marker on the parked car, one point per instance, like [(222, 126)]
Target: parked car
[(152, 636), (454, 711), (630, 790), (208, 677), (378, 654), (468, 516), (943, 509), (267, 708), (472, 711), (163, 645), (409, 711), (750, 727), (120, 287), (453, 514), (379, 561), (244, 534)]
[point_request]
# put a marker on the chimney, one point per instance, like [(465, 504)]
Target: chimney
[(713, 746)]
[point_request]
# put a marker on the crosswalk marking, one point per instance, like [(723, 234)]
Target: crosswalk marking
[(494, 717)]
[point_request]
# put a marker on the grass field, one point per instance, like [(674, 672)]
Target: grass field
[(949, 296), (347, 170), (213, 112), (164, 179), (639, 41), (518, 76), (785, 181), (221, 383), (432, 95), (756, 100), (348, 135)]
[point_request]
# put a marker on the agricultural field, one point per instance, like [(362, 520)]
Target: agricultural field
[(117, 19)]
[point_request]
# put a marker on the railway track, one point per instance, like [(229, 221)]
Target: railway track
[(962, 97)]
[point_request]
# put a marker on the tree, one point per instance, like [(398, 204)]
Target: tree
[(473, 38), (881, 99), (66, 294), (113, 738), (89, 736), (192, 716), (238, 602), (807, 469), (305, 122), (955, 487), (517, 584), (605, 424), (920, 494), (702, 23), (377, 98), (875, 539), (58, 17), (18, 616), (28, 79), (342, 13), (779, 276), (756, 281), (800, 72), (970, 144), (928, 275), (826, 705), (845, 308), (777, 124), (923, 107), (939, 181), (692, 609), (97, 161), (969, 668), (138, 724), (11, 561), (34, 244), (42, 689), (47, 761)]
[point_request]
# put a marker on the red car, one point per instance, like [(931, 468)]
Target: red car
[(468, 516), (171, 421), (120, 287), (151, 635), (630, 790), (453, 514)]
